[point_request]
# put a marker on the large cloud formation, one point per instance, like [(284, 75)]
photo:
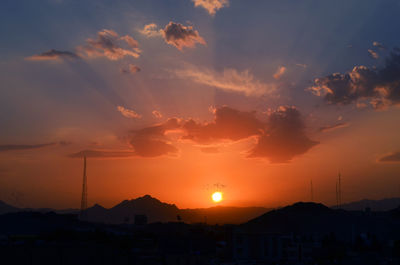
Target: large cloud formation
[(284, 137), (212, 6), (53, 55), (228, 80), (110, 45), (279, 139), (381, 87)]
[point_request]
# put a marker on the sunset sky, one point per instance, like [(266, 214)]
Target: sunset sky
[(171, 97)]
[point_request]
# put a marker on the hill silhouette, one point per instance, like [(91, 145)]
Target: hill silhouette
[(375, 205), (317, 219)]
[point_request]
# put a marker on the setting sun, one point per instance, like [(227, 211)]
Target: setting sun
[(217, 196)]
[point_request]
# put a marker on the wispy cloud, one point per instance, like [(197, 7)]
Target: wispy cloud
[(53, 55), (131, 69), (151, 30), (373, 54), (128, 113), (329, 128), (212, 6), (110, 45), (103, 154), (392, 157), (228, 80), (157, 114), (12, 147), (280, 72)]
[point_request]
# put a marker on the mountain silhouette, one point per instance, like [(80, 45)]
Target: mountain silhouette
[(157, 211), (317, 219), (6, 208)]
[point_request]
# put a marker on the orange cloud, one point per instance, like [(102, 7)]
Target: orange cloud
[(108, 44), (212, 6), (131, 69), (228, 80), (128, 113), (157, 114), (280, 72)]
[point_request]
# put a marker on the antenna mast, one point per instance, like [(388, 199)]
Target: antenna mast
[(84, 188)]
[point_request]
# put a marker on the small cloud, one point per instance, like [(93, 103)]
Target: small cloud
[(16, 147), (151, 30), (212, 6), (329, 128), (378, 45), (52, 55), (131, 69), (340, 118), (110, 45), (373, 54), (103, 154), (128, 113), (181, 36), (280, 72), (157, 114), (392, 157), (301, 65), (228, 80)]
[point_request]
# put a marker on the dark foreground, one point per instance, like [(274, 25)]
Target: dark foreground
[(304, 233)]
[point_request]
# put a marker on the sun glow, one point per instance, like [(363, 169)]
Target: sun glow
[(216, 196)]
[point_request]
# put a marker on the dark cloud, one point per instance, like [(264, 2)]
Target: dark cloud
[(381, 87), (110, 45), (279, 139), (393, 157), (329, 128), (53, 55), (284, 137), (152, 142), (12, 147), (102, 154), (229, 124), (181, 36)]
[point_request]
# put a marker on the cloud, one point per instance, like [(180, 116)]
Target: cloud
[(284, 137), (229, 124), (157, 114), (378, 45), (110, 45), (212, 6), (329, 128), (131, 69), (373, 54), (52, 55), (279, 139), (102, 154), (14, 147), (379, 87), (152, 142), (181, 36), (228, 80), (392, 157), (128, 113), (280, 72), (151, 30), (301, 65)]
